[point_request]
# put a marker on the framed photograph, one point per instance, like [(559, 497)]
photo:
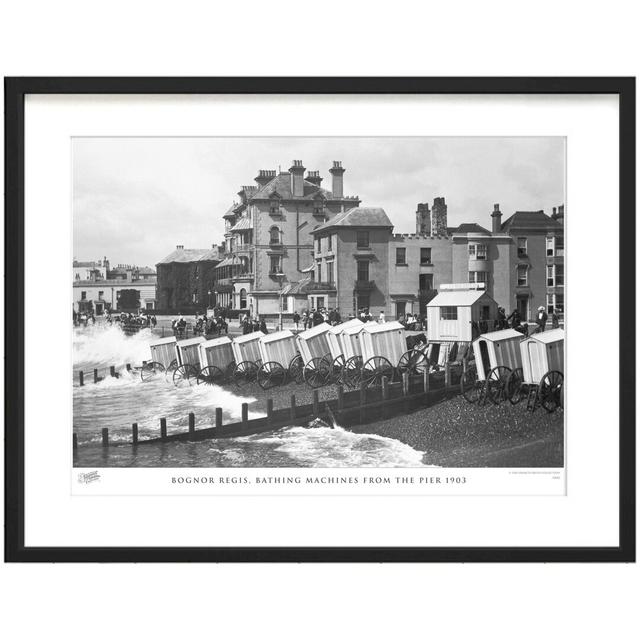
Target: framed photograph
[(320, 319)]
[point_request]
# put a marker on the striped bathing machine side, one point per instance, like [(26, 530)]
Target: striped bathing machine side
[(246, 348), (333, 336), (351, 342), (387, 340), (278, 347), (541, 353), (216, 353), (314, 343), (163, 351), (188, 352), (497, 349)]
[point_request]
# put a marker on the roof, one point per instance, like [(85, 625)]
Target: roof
[(314, 331), (168, 340), (278, 335), (185, 255), (76, 263), (229, 261), (294, 288), (147, 271), (281, 184), (553, 335), (248, 337), (190, 342), (243, 223), (212, 255), (530, 220), (358, 217), (471, 227), (356, 329), (383, 327), (349, 324), (216, 342), (456, 298), (504, 334)]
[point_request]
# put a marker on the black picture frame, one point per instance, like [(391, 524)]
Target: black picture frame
[(15, 91)]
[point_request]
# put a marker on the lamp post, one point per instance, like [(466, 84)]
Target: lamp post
[(280, 278)]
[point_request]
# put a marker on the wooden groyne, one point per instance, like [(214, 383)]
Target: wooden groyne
[(348, 408)]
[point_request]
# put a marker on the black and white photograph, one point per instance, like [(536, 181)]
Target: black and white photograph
[(318, 302)]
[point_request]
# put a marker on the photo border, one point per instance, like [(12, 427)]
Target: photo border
[(15, 91)]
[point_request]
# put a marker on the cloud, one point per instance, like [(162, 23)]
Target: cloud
[(134, 199)]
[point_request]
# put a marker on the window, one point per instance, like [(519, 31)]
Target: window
[(478, 276), (425, 281), (100, 295), (329, 242), (550, 276), (274, 206), (559, 274), (401, 308), (274, 235), (555, 302), (448, 313), (485, 312), (318, 209), (362, 239), (522, 275), (362, 302), (83, 295), (425, 255), (401, 256), (522, 247), (559, 246), (274, 264), (363, 271), (477, 251), (319, 271), (243, 298), (330, 276), (550, 247), (318, 244)]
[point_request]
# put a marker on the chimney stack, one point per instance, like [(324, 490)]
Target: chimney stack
[(297, 178), (314, 177), (179, 246), (496, 219), (337, 186), (265, 176), (559, 215), (423, 219), (439, 217)]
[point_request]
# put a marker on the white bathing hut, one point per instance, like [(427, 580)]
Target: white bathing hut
[(164, 351), (451, 314), (541, 353)]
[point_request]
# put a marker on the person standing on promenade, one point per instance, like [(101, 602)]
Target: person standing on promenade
[(555, 320), (541, 319), (381, 319), (296, 320)]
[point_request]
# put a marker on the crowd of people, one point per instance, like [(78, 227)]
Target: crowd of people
[(514, 321)]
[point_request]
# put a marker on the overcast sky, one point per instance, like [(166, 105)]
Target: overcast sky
[(135, 199)]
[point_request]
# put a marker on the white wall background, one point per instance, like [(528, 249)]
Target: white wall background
[(406, 38)]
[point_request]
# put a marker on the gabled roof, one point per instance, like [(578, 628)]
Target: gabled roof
[(147, 271), (471, 227), (530, 220), (281, 184), (456, 298), (188, 255), (504, 334), (553, 335), (358, 217)]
